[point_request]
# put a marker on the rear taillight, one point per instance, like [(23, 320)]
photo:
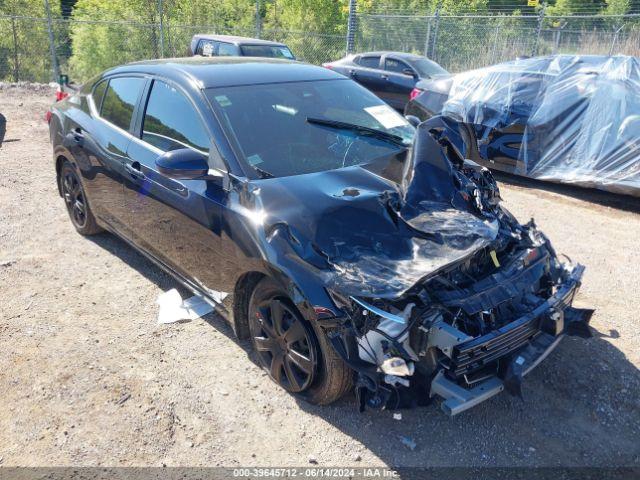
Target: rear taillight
[(330, 67), (60, 95), (47, 116), (414, 93)]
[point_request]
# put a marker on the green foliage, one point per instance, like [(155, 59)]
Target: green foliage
[(100, 45), (87, 43), (24, 42)]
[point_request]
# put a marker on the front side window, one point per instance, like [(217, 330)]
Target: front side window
[(369, 62), (171, 122), (393, 65), (270, 51), (120, 100), (294, 128)]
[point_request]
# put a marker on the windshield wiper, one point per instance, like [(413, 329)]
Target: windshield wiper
[(362, 130), (263, 173)]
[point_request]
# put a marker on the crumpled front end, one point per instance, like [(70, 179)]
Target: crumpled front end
[(475, 325), (429, 286), (465, 334)]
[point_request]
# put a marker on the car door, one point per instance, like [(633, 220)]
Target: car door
[(100, 145), (177, 222), (367, 73), (398, 81)]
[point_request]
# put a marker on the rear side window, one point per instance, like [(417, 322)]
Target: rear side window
[(120, 100), (227, 50), (171, 122), (98, 94), (369, 62)]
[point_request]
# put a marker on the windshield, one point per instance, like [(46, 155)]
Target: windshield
[(428, 68), (271, 51), (295, 128)]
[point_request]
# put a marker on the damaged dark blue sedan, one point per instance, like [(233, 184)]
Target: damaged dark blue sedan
[(352, 248)]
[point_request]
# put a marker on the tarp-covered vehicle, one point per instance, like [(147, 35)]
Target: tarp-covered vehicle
[(569, 119)]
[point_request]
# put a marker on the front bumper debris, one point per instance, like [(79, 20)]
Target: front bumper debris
[(524, 342)]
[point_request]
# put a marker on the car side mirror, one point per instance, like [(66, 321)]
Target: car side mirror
[(409, 72), (183, 164), (413, 120)]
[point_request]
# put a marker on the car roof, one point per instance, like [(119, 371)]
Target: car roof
[(402, 55), (209, 72), (237, 40)]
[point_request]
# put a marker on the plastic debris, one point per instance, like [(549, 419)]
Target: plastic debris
[(174, 309), (397, 366), (397, 416), (408, 442), (395, 381)]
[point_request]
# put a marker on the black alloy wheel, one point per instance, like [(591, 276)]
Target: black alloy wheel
[(284, 344), (74, 198)]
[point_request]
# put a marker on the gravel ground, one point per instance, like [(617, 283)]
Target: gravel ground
[(89, 378)]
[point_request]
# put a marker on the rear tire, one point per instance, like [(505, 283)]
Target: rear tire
[(76, 201), (273, 320)]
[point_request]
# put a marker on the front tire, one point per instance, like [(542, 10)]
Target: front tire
[(76, 201), (294, 352)]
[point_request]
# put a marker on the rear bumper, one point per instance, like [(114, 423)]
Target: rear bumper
[(520, 346)]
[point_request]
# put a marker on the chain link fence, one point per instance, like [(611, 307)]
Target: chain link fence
[(465, 42), (85, 46), (25, 48)]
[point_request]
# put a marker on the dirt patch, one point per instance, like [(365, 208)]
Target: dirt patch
[(88, 378)]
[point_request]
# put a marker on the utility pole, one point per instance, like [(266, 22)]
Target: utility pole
[(539, 28), (52, 44), (427, 42), (258, 20), (615, 40), (161, 16), (351, 26), (435, 30)]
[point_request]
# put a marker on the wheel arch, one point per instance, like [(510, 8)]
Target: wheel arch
[(305, 294), (241, 295), (59, 160)]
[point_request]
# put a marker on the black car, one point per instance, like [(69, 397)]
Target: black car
[(207, 45), (390, 75), (289, 197)]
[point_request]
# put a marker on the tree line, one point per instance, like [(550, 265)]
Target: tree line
[(91, 35)]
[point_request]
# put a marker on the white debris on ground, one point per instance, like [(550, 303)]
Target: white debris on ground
[(174, 309)]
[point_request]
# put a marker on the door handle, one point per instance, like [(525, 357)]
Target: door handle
[(134, 170), (352, 73), (385, 77)]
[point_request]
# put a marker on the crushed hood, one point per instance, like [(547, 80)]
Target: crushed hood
[(376, 230)]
